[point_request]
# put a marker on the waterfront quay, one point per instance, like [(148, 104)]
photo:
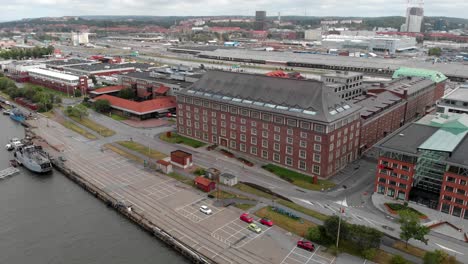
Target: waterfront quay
[(163, 203)]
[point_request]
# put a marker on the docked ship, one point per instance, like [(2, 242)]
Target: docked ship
[(33, 158), (17, 115)]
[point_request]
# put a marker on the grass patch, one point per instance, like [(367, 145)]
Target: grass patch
[(298, 179), (102, 130), (124, 153), (244, 207), (78, 130), (382, 257), (178, 139), (144, 150), (401, 207), (49, 114), (181, 178), (248, 189), (118, 117), (304, 210), (228, 195), (298, 227), (412, 250)]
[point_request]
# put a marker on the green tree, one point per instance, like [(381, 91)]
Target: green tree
[(127, 93), (397, 259), (411, 227), (314, 234), (438, 257), (331, 228), (364, 237), (77, 93), (435, 51), (102, 105), (369, 253), (93, 78)]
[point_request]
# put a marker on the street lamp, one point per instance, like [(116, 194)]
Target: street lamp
[(339, 221)]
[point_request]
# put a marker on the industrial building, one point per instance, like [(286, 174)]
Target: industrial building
[(105, 69), (59, 81), (305, 127), (387, 44), (347, 85), (426, 162), (454, 102), (18, 70)]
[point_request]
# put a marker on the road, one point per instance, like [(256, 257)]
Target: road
[(358, 178)]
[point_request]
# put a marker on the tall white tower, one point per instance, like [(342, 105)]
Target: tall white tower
[(414, 16)]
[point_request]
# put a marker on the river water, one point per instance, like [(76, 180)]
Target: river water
[(49, 219)]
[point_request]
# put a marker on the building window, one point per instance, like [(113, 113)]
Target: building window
[(381, 189), (223, 132), (223, 123), (253, 150), (253, 140), (197, 134), (233, 126), (459, 201), (302, 165), (303, 144), (181, 129), (403, 177), (189, 122), (288, 161), (242, 129), (460, 191), (289, 140), (289, 150), (317, 147), (319, 128), (213, 122), (223, 116), (242, 147), (456, 211), (189, 131), (243, 121), (318, 138), (233, 119), (276, 146), (265, 134), (214, 130), (276, 157), (253, 131), (276, 137), (213, 114), (316, 169), (445, 208), (302, 154), (233, 134), (233, 144), (279, 120), (264, 154), (277, 129), (264, 143), (303, 135), (382, 180), (242, 137), (197, 125), (289, 131), (402, 185), (450, 179), (317, 157), (332, 146), (448, 189), (405, 168), (265, 126)]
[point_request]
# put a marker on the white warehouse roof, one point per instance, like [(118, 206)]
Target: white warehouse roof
[(55, 74)]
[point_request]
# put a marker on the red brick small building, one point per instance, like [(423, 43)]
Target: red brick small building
[(181, 159), (204, 184)]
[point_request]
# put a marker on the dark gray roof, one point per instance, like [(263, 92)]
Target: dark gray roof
[(146, 76), (409, 138), (460, 154), (308, 95), (107, 66), (68, 62), (377, 103), (412, 84)]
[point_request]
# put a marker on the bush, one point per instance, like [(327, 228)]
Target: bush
[(199, 171), (397, 259), (314, 234), (438, 257), (77, 93), (369, 253)]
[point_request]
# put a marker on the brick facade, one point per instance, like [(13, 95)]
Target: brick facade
[(309, 147), (394, 178), (454, 195)]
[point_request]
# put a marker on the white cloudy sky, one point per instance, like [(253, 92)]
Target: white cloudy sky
[(16, 9)]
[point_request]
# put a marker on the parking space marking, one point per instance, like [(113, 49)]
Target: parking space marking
[(192, 210), (236, 235), (297, 255)]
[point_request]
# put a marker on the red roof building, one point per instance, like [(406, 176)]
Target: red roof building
[(204, 184), (106, 90), (143, 110)]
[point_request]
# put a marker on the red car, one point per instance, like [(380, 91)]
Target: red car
[(307, 245), (266, 221), (246, 218)]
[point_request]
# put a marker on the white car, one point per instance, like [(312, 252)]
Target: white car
[(204, 209)]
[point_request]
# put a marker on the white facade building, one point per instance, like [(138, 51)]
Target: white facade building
[(414, 19), (454, 102)]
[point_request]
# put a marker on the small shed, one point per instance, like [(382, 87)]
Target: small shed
[(204, 184), (228, 179), (212, 173), (164, 166), (181, 159)]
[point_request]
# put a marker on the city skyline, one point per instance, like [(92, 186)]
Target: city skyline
[(367, 8)]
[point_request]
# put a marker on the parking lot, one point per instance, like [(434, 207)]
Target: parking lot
[(236, 234), (192, 210), (301, 256), (162, 190)]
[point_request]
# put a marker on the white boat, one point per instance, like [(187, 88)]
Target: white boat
[(33, 158), (14, 143)]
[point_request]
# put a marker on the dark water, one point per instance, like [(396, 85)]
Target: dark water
[(49, 219)]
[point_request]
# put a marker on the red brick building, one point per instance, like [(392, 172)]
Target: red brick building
[(299, 124), (426, 162), (390, 105)]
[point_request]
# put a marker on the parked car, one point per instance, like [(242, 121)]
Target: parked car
[(255, 228), (307, 245), (266, 221), (204, 209), (246, 218)]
